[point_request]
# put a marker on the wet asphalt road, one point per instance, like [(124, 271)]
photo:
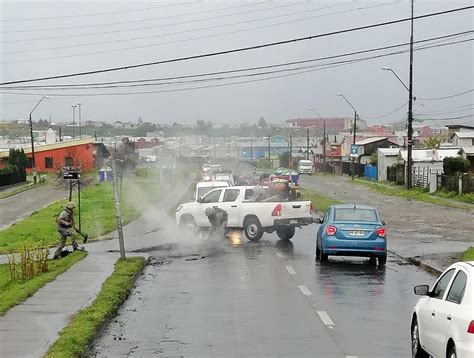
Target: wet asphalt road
[(234, 298)]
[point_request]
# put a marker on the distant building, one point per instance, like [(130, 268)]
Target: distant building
[(333, 124)]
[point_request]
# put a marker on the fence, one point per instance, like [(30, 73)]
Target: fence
[(420, 177), (359, 169), (12, 178), (452, 183), (370, 172)]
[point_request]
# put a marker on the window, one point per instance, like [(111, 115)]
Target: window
[(456, 292), (68, 161), (355, 215), (48, 162), (29, 163), (212, 197), (231, 195), (442, 285)]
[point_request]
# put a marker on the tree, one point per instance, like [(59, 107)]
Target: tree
[(432, 143), (374, 158), (262, 123), (284, 159), (455, 165)]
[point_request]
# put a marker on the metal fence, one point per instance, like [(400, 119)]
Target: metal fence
[(451, 183), (12, 178), (359, 169), (420, 177), (370, 172)]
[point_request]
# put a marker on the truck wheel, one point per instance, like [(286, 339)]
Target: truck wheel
[(253, 229), (285, 233), (188, 224)]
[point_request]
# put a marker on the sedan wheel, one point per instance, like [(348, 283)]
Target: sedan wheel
[(416, 350)]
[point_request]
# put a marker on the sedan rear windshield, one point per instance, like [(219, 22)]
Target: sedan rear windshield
[(368, 215)]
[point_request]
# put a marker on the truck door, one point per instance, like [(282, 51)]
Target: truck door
[(209, 200), (230, 204)]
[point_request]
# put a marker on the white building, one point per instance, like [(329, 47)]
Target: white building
[(386, 157)]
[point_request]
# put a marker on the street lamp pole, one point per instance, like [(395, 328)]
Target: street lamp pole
[(269, 149), (74, 121), (80, 129), (324, 135), (354, 131), (33, 160), (410, 106)]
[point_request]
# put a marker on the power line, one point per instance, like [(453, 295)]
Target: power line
[(442, 113), (184, 32), (446, 97), (97, 14), (105, 84), (241, 49), (321, 67), (128, 48), (388, 114), (137, 20), (154, 26), (448, 118)]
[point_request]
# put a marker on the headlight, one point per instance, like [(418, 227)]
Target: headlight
[(179, 208)]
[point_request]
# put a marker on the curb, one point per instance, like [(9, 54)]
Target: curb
[(421, 264)]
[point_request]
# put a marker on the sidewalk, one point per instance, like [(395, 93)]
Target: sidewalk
[(28, 329)]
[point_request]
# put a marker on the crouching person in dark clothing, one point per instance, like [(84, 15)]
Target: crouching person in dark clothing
[(64, 225), (218, 219)]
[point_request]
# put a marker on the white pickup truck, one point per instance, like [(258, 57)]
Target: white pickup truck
[(248, 209)]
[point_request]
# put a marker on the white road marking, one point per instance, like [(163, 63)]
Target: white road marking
[(280, 255), (290, 270), (325, 318), (305, 290)]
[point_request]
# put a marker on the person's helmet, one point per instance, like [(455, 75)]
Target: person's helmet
[(209, 211), (70, 205)]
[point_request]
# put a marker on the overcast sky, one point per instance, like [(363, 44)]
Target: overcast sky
[(36, 42)]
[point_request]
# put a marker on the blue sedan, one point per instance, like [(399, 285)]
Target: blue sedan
[(351, 230)]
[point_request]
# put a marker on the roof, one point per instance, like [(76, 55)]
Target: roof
[(57, 145), (457, 126), (370, 140), (429, 155), (468, 150), (466, 134), (389, 152)]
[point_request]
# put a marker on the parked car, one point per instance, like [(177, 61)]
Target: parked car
[(351, 230), (305, 167), (254, 209), (442, 323)]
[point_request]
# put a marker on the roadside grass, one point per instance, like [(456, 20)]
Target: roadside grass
[(97, 218), (414, 194), (75, 339), (320, 203), (13, 293), (465, 198), (469, 254)]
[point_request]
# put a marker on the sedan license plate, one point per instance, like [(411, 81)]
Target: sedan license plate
[(293, 221), (356, 233)]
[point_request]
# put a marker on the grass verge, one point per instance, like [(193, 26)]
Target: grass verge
[(97, 217), (78, 335), (413, 194), (469, 254), (13, 293), (320, 203)]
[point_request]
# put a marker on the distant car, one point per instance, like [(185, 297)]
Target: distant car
[(206, 167), (351, 230), (442, 323), (305, 167)]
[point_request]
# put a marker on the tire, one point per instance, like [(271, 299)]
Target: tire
[(320, 255), (188, 224), (416, 350), (452, 352), (285, 233), (382, 260), (253, 229)]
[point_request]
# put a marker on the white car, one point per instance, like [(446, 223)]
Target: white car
[(443, 320), (305, 167)]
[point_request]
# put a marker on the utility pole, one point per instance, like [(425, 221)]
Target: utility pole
[(410, 107), (73, 121), (324, 145), (290, 157), (251, 148), (269, 149), (118, 215), (307, 143), (80, 129)]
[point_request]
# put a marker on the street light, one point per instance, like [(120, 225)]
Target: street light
[(355, 128), (74, 121), (33, 161), (324, 136), (80, 130), (395, 74)]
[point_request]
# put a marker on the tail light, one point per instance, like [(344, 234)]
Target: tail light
[(381, 232), (470, 329), (311, 208), (277, 210), (331, 230)]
